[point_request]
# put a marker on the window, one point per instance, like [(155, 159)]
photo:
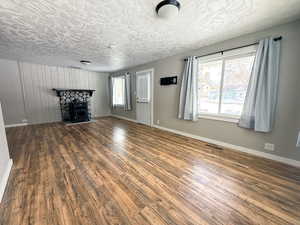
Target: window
[(223, 83), (118, 84)]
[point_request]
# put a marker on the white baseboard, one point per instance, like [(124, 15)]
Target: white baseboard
[(102, 115), (16, 125), (55, 121), (235, 147), (124, 118), (5, 177)]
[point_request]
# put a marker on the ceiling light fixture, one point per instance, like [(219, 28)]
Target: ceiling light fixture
[(85, 62), (111, 46), (168, 8)]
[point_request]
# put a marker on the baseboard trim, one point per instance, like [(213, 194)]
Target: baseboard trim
[(5, 177), (124, 118), (235, 147), (101, 116), (16, 125), (56, 121)]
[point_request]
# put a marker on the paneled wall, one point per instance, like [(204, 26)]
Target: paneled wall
[(11, 95), (41, 104), (5, 161)]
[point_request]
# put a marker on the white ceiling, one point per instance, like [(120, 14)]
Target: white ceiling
[(62, 32)]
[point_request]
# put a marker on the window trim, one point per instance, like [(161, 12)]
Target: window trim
[(222, 116), (225, 118), (119, 105)]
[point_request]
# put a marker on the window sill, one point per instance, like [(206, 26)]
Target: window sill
[(118, 106), (219, 118)]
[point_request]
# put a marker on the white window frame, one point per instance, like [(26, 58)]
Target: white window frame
[(234, 54), (119, 105)]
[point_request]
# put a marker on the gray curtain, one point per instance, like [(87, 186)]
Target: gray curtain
[(127, 91), (261, 98), (188, 103), (110, 87)]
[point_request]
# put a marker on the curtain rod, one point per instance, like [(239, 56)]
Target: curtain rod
[(230, 49)]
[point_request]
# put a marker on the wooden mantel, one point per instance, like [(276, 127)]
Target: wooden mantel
[(59, 90)]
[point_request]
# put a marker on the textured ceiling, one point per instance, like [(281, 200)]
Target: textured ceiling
[(62, 32)]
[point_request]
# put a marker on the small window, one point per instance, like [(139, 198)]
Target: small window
[(118, 91), (223, 83)]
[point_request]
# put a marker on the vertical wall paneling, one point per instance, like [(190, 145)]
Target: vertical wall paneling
[(40, 101), (11, 93), (5, 161)]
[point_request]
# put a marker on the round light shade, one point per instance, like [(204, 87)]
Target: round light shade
[(168, 8), (85, 62)]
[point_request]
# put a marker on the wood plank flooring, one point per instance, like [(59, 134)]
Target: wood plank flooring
[(118, 172)]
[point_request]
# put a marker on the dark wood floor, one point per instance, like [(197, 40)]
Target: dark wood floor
[(118, 172)]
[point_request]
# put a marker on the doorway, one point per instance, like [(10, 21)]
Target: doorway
[(144, 97)]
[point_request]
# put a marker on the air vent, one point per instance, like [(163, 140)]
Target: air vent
[(214, 146)]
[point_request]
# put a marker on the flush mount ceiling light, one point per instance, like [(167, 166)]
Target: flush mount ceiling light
[(168, 8), (111, 46), (85, 62)]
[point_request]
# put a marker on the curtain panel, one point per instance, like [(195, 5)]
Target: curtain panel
[(188, 102), (110, 87), (127, 93), (261, 98)]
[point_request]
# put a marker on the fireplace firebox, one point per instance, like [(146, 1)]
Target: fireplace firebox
[(75, 104), (78, 112)]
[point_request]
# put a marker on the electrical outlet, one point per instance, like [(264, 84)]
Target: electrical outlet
[(269, 147), (157, 121), (298, 140)]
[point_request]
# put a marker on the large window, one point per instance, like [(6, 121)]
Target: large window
[(118, 84), (223, 83)]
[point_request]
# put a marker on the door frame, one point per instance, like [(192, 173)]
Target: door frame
[(151, 70)]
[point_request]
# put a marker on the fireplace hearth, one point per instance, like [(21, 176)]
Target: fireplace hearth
[(75, 104)]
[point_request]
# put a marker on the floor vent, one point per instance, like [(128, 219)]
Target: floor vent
[(214, 146)]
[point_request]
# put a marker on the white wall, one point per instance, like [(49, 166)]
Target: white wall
[(5, 161), (26, 90)]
